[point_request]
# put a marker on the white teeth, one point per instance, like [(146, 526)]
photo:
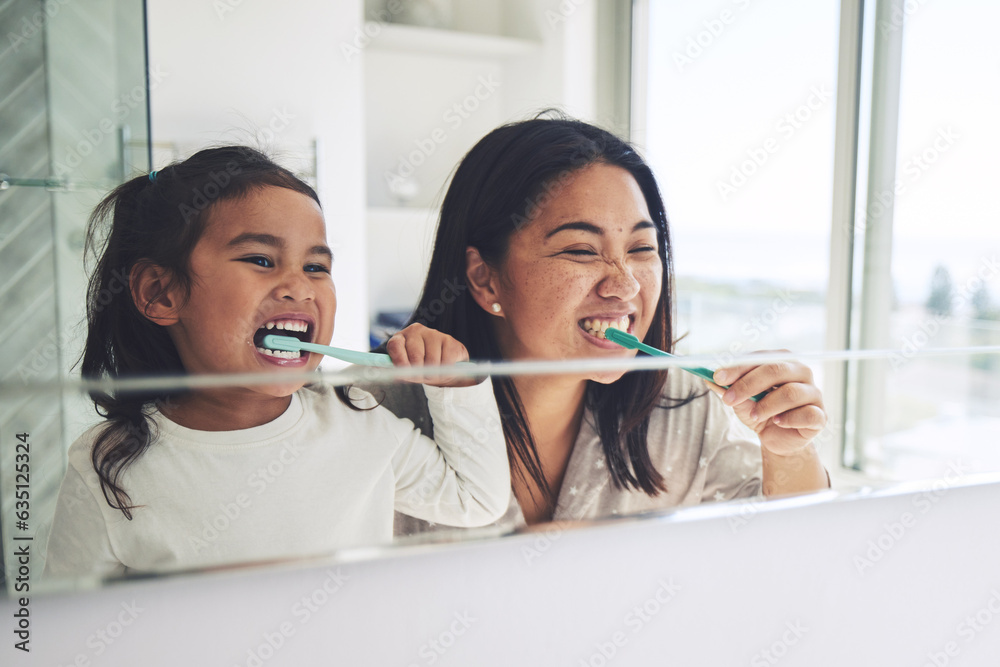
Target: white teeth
[(279, 354), (288, 325), (597, 327)]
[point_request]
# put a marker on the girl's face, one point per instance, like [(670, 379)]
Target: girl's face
[(589, 259), (261, 266)]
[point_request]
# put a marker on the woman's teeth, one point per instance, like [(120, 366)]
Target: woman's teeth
[(597, 327), (280, 354)]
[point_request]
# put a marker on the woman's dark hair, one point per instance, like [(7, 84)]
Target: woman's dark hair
[(500, 185), (153, 219)]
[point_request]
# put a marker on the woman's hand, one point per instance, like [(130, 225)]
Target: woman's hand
[(417, 345), (786, 420), (789, 417)]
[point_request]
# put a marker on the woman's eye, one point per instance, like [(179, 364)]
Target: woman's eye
[(643, 249), (579, 252), (259, 260)]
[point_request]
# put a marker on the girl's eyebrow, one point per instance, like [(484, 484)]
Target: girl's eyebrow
[(592, 228), (248, 238)]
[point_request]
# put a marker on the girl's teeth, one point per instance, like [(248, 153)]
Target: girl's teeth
[(288, 325), (279, 354)]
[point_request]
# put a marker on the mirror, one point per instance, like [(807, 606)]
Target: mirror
[(717, 475), (725, 178)]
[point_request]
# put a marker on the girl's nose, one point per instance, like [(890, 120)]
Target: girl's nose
[(295, 286), (619, 283)]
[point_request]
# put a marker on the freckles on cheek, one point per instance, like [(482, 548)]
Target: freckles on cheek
[(551, 289), (651, 281)]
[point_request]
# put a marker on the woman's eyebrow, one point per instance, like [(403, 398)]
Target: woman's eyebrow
[(581, 226), (592, 228)]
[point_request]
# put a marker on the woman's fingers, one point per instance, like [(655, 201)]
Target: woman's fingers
[(807, 417), (747, 381), (715, 389), (788, 416), (784, 398)]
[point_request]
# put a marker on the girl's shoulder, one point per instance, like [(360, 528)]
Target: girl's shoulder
[(79, 454), (82, 447)]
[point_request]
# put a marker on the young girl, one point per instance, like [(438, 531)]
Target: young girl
[(218, 251)]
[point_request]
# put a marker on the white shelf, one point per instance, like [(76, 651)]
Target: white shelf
[(400, 241), (413, 39)]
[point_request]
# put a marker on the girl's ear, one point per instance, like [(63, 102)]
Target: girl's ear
[(155, 293), (483, 282)]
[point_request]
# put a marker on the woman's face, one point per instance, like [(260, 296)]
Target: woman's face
[(589, 259)]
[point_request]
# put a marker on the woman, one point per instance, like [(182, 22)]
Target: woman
[(554, 230)]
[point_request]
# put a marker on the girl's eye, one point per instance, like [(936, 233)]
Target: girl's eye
[(259, 260), (317, 268)]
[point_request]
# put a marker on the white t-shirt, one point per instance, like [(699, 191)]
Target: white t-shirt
[(318, 478)]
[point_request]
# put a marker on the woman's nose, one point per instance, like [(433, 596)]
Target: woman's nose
[(619, 283)]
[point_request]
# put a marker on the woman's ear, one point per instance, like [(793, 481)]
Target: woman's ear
[(154, 293), (482, 281)]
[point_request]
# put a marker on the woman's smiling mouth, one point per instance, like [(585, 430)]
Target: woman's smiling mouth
[(596, 326)]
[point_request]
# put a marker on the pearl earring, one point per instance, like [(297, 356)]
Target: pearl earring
[(495, 307)]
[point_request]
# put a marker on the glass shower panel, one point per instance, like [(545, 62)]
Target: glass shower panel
[(73, 99)]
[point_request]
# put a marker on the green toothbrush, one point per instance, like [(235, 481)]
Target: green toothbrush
[(630, 342), (292, 344)]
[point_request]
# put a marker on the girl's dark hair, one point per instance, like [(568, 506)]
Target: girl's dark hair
[(154, 219), (500, 185)]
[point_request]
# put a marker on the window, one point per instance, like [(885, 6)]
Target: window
[(945, 257), (741, 139), (735, 105)]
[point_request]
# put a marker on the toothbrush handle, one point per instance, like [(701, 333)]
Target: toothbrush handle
[(359, 358), (350, 356), (700, 371)]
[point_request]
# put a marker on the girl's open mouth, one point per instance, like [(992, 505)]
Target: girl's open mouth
[(296, 328)]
